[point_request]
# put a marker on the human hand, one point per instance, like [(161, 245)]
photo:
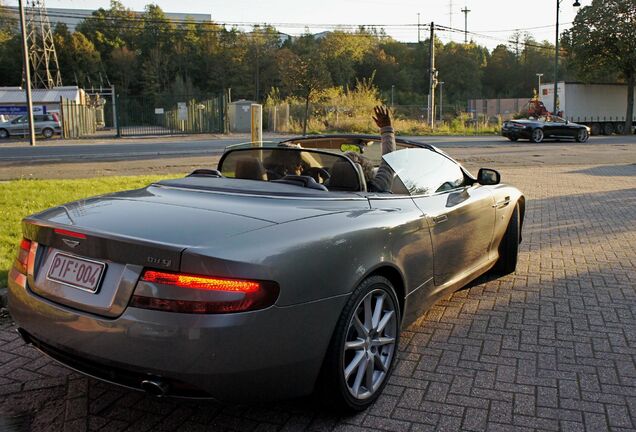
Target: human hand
[(382, 116)]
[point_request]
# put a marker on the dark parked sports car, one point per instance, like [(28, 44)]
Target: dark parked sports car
[(273, 276), (544, 127)]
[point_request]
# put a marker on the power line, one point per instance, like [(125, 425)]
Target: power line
[(522, 29), (140, 18), (220, 26), (507, 41)]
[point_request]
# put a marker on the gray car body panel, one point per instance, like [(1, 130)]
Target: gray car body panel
[(317, 246), (22, 128)]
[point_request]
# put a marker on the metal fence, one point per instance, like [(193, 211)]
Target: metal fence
[(166, 115)]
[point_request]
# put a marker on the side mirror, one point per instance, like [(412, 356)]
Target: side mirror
[(488, 177)]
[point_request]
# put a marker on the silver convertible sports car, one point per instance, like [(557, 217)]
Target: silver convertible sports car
[(276, 275)]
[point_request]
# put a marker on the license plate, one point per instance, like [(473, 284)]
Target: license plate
[(76, 272)]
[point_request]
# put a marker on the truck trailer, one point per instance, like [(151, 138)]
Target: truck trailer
[(602, 107)]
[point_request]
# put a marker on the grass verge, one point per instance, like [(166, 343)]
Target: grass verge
[(20, 198)]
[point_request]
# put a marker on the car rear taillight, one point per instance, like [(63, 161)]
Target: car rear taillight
[(25, 259), (225, 295)]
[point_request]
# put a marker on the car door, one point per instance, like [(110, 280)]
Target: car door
[(460, 214), (560, 127), (19, 126), (550, 129), (38, 122)]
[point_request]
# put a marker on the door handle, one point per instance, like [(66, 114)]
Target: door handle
[(440, 219), (500, 204)]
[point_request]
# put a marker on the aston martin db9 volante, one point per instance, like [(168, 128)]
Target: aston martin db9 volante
[(536, 130), (274, 275)]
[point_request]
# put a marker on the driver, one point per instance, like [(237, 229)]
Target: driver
[(383, 179)]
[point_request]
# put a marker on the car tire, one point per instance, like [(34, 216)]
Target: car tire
[(537, 135), (47, 133), (340, 385), (582, 135), (620, 128), (509, 246), (4, 133), (608, 129)]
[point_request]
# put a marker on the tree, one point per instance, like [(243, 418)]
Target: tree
[(303, 71), (603, 38), (341, 51), (79, 60), (461, 67), (123, 65), (10, 49)]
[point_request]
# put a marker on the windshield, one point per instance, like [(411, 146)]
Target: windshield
[(554, 119), (309, 168), (425, 172)]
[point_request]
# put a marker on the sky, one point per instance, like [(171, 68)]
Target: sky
[(494, 19)]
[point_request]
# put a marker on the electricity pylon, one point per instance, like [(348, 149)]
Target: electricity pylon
[(42, 55)]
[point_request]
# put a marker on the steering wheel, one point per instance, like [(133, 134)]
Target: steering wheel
[(316, 173)]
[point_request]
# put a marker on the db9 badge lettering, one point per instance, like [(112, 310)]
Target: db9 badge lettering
[(159, 261)]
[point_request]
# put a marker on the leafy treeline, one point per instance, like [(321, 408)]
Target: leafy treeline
[(148, 54)]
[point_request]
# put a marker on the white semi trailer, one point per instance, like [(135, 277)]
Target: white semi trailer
[(602, 107)]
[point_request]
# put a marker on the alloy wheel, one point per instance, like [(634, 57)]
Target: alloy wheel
[(370, 344), (583, 135), (537, 135)]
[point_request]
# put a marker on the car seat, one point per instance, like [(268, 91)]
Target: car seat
[(250, 168), (346, 176)]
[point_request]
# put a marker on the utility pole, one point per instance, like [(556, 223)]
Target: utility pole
[(556, 55), (418, 28), (392, 94), (27, 74), (433, 78), (556, 62), (465, 10)]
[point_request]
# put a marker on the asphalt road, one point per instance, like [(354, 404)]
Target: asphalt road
[(18, 152)]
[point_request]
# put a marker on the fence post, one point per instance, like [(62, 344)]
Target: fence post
[(116, 113), (257, 125), (62, 119)]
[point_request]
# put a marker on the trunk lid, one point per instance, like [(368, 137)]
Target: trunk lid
[(148, 227), (126, 235)]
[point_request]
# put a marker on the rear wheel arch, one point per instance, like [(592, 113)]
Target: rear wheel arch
[(522, 214), (397, 280)]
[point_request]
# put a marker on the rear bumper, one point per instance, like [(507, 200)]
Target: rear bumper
[(262, 355), (516, 133)]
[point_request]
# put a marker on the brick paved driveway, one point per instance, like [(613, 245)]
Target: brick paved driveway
[(552, 347)]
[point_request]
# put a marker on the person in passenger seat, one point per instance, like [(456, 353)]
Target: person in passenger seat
[(382, 181)]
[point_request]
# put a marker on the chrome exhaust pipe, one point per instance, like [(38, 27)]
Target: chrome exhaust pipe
[(155, 387)]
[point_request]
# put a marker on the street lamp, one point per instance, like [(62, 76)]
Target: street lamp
[(556, 53), (441, 99), (539, 75)]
